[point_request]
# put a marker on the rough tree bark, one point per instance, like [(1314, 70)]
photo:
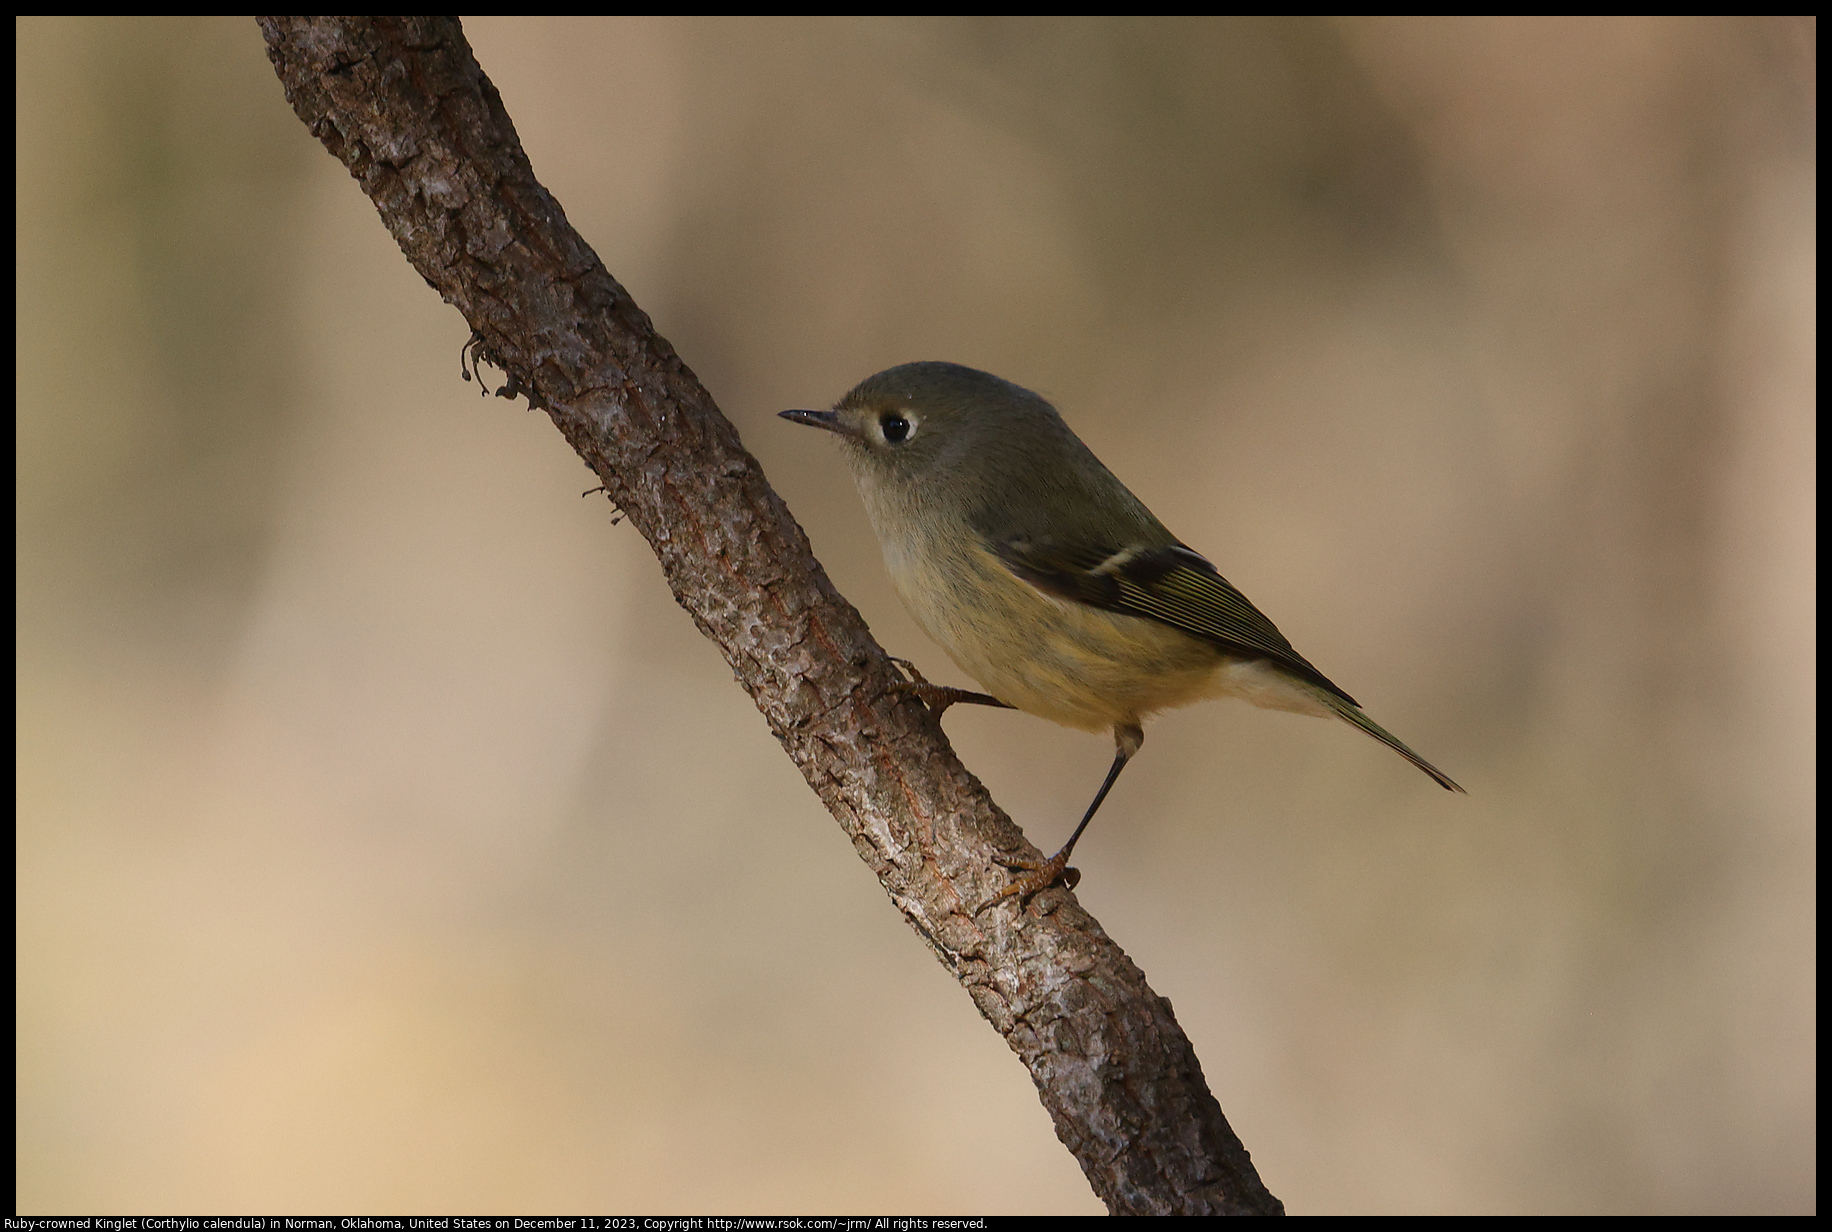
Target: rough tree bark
[(403, 103)]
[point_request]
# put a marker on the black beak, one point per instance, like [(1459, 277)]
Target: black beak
[(829, 420)]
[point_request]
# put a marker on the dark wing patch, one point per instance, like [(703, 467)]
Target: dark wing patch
[(1174, 585)]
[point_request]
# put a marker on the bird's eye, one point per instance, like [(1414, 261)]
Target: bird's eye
[(896, 428)]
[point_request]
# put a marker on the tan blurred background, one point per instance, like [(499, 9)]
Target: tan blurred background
[(389, 841)]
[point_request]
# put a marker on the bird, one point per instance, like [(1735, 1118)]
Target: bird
[(1048, 582)]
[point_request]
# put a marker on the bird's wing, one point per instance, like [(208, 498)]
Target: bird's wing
[(1171, 584)]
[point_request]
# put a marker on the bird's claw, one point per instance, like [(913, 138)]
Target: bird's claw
[(938, 697), (1043, 875)]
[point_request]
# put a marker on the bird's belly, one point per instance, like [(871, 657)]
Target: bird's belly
[(1065, 661)]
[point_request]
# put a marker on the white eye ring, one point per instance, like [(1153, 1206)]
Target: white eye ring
[(896, 427)]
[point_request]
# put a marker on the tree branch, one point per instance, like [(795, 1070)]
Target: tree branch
[(403, 103)]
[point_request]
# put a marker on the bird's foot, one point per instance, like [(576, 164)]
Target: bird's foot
[(1042, 875), (938, 697)]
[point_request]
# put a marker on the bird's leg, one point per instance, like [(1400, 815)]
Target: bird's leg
[(1127, 737), (938, 697)]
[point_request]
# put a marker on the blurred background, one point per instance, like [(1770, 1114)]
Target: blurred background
[(389, 841)]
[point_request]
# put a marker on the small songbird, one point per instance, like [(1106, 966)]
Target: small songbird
[(1047, 581)]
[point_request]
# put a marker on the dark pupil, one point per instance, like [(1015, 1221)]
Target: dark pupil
[(896, 428)]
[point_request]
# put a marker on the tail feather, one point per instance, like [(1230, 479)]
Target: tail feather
[(1354, 715)]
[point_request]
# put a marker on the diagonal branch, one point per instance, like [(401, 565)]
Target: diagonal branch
[(403, 103)]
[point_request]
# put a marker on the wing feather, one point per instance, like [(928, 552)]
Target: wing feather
[(1173, 584)]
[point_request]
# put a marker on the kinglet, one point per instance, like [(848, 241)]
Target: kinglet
[(1047, 581)]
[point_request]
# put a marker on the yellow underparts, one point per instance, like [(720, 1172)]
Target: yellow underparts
[(1070, 663)]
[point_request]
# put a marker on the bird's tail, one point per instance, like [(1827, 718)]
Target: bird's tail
[(1352, 714)]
